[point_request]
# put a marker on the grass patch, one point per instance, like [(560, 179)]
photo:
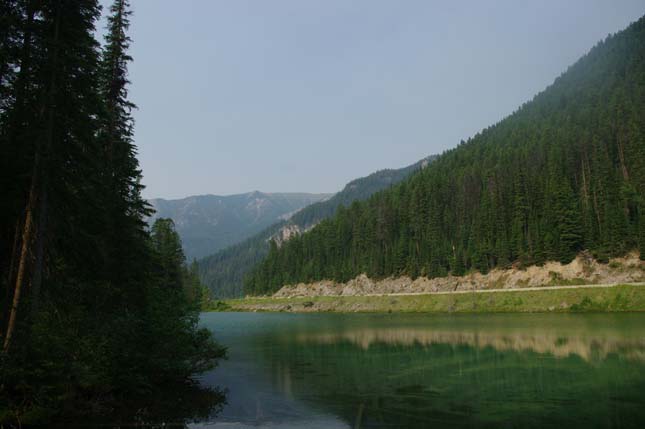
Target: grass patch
[(577, 281), (217, 305), (617, 298)]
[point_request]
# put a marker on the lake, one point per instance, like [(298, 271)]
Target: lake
[(410, 371)]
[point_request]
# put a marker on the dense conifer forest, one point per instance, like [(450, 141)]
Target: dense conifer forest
[(224, 272), (564, 173), (94, 306)]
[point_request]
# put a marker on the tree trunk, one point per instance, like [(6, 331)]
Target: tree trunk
[(621, 157), (38, 186), (27, 234), (25, 61), (10, 275), (40, 254)]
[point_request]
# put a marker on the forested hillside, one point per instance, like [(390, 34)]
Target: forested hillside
[(223, 273), (209, 223), (563, 173), (94, 308)]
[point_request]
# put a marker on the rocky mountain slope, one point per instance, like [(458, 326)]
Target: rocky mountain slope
[(208, 223), (224, 271)]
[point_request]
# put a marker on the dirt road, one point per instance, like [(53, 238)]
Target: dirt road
[(607, 285)]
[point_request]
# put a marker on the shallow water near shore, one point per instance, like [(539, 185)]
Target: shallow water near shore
[(416, 370)]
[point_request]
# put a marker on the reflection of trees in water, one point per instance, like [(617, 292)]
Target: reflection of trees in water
[(174, 406), (418, 378), (588, 348)]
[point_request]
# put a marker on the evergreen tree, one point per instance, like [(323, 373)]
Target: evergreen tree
[(124, 208), (170, 256), (93, 308)]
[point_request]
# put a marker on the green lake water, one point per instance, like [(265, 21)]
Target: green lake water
[(416, 371)]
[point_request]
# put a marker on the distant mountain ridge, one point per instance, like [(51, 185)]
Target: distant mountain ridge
[(208, 223), (223, 272)]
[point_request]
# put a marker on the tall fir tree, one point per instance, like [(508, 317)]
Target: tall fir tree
[(124, 210), (85, 315)]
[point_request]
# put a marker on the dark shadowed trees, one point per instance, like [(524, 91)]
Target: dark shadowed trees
[(87, 312)]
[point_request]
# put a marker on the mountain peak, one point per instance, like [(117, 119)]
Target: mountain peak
[(208, 223)]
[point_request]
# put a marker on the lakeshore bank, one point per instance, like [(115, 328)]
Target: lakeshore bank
[(581, 298)]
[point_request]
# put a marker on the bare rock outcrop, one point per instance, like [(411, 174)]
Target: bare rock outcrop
[(582, 270)]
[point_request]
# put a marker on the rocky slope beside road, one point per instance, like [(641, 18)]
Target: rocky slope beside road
[(583, 270)]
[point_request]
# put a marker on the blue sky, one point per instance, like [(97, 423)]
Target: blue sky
[(305, 95)]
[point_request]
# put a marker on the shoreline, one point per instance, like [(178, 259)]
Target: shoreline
[(618, 297)]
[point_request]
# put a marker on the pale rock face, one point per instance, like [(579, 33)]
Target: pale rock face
[(289, 231), (582, 270)]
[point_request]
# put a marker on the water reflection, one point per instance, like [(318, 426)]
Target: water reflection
[(415, 371), (588, 348), (174, 406)]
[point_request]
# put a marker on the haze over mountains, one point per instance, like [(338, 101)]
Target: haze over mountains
[(223, 272), (208, 223), (564, 173)]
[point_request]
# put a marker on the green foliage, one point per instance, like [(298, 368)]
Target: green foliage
[(563, 173), (170, 257), (218, 306), (585, 304), (94, 309), (224, 272)]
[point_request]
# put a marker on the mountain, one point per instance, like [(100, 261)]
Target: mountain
[(563, 173), (208, 223), (224, 271)]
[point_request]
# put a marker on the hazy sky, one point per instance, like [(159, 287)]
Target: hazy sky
[(304, 95)]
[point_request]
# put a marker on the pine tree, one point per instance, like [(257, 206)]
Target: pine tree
[(65, 80), (520, 218), (10, 23), (102, 319), (170, 255), (125, 209), (568, 219)]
